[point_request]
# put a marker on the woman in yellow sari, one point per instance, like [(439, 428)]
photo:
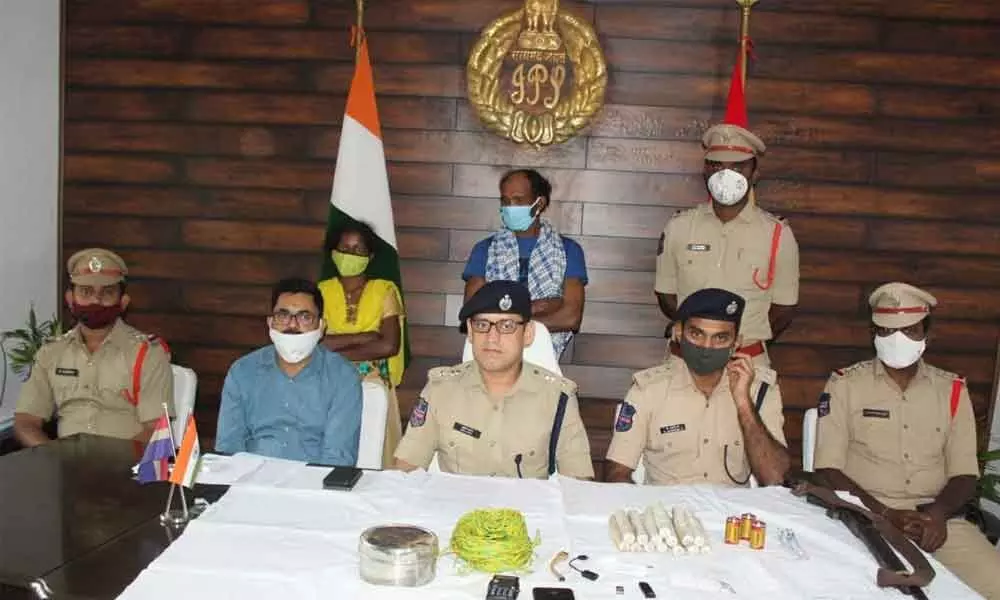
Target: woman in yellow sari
[(364, 319)]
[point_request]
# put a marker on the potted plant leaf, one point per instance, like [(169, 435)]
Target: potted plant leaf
[(22, 344), (987, 489)]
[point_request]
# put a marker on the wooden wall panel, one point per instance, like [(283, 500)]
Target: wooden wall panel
[(201, 137)]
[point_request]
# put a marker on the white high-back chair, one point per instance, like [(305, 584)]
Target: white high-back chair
[(375, 411), (639, 474), (540, 352), (185, 391), (809, 423)]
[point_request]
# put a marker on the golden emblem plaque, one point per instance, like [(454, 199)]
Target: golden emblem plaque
[(537, 76)]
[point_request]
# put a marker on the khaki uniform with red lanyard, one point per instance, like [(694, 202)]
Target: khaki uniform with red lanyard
[(110, 392), (902, 446), (754, 255)]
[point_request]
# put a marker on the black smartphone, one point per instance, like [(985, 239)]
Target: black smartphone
[(341, 478), (547, 593)]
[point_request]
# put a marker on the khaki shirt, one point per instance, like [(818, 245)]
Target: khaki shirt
[(699, 251), (89, 392), (474, 434), (900, 446), (682, 436)]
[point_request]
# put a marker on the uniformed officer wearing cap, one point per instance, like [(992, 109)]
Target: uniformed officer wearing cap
[(731, 243), (901, 435), (102, 377), (706, 416), (496, 415)]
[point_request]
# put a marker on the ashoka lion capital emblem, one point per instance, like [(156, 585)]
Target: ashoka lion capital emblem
[(537, 76)]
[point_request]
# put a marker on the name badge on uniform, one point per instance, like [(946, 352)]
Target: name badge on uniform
[(699, 247), (877, 413), (475, 433), (673, 428), (67, 372)]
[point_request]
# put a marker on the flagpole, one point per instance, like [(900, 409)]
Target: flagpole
[(358, 31), (173, 450), (745, 6)]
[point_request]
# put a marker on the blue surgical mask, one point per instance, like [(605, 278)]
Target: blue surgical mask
[(517, 218)]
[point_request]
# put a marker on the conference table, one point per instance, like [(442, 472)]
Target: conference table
[(277, 533), (71, 515)]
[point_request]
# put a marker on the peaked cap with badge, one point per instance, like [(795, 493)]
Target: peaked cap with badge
[(96, 267), (712, 303), (895, 305), (500, 297)]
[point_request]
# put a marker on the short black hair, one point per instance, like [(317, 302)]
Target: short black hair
[(359, 227), (540, 186), (297, 285)]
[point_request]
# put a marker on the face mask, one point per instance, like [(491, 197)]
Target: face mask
[(96, 316), (349, 265), (517, 218), (296, 347), (898, 351), (728, 187), (703, 360)]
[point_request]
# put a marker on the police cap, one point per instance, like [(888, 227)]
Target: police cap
[(499, 296), (714, 304)]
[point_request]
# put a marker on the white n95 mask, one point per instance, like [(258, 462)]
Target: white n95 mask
[(728, 187), (296, 347), (899, 351)]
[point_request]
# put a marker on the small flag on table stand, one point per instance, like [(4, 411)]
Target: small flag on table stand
[(185, 471), (155, 465)]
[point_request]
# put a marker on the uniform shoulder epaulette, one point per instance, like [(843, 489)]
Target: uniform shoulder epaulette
[(943, 374), (447, 373), (682, 212), (566, 385), (765, 374), (855, 369), (652, 375), (773, 218)]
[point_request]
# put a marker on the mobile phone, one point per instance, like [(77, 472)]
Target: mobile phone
[(550, 593), (341, 478)]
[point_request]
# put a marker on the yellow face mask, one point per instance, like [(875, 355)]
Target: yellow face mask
[(350, 265)]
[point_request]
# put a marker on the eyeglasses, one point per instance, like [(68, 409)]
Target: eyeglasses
[(283, 318), (504, 326)]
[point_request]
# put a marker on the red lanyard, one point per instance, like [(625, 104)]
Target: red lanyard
[(775, 242)]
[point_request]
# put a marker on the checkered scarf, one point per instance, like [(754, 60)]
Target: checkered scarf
[(546, 268)]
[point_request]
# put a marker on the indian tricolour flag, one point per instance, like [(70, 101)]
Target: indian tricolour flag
[(360, 181)]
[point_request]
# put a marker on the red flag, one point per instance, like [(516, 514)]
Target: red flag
[(736, 104)]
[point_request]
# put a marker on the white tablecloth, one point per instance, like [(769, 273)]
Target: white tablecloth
[(277, 534)]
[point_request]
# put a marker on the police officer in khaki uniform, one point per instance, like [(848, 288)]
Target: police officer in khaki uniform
[(497, 415), (901, 435), (730, 243), (102, 377), (707, 415)]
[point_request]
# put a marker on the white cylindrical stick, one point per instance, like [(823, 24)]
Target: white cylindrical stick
[(701, 538), (682, 525), (635, 519), (649, 522), (664, 525), (628, 534), (616, 533)]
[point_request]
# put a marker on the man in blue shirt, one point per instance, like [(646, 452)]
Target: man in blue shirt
[(293, 399), (530, 251)]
